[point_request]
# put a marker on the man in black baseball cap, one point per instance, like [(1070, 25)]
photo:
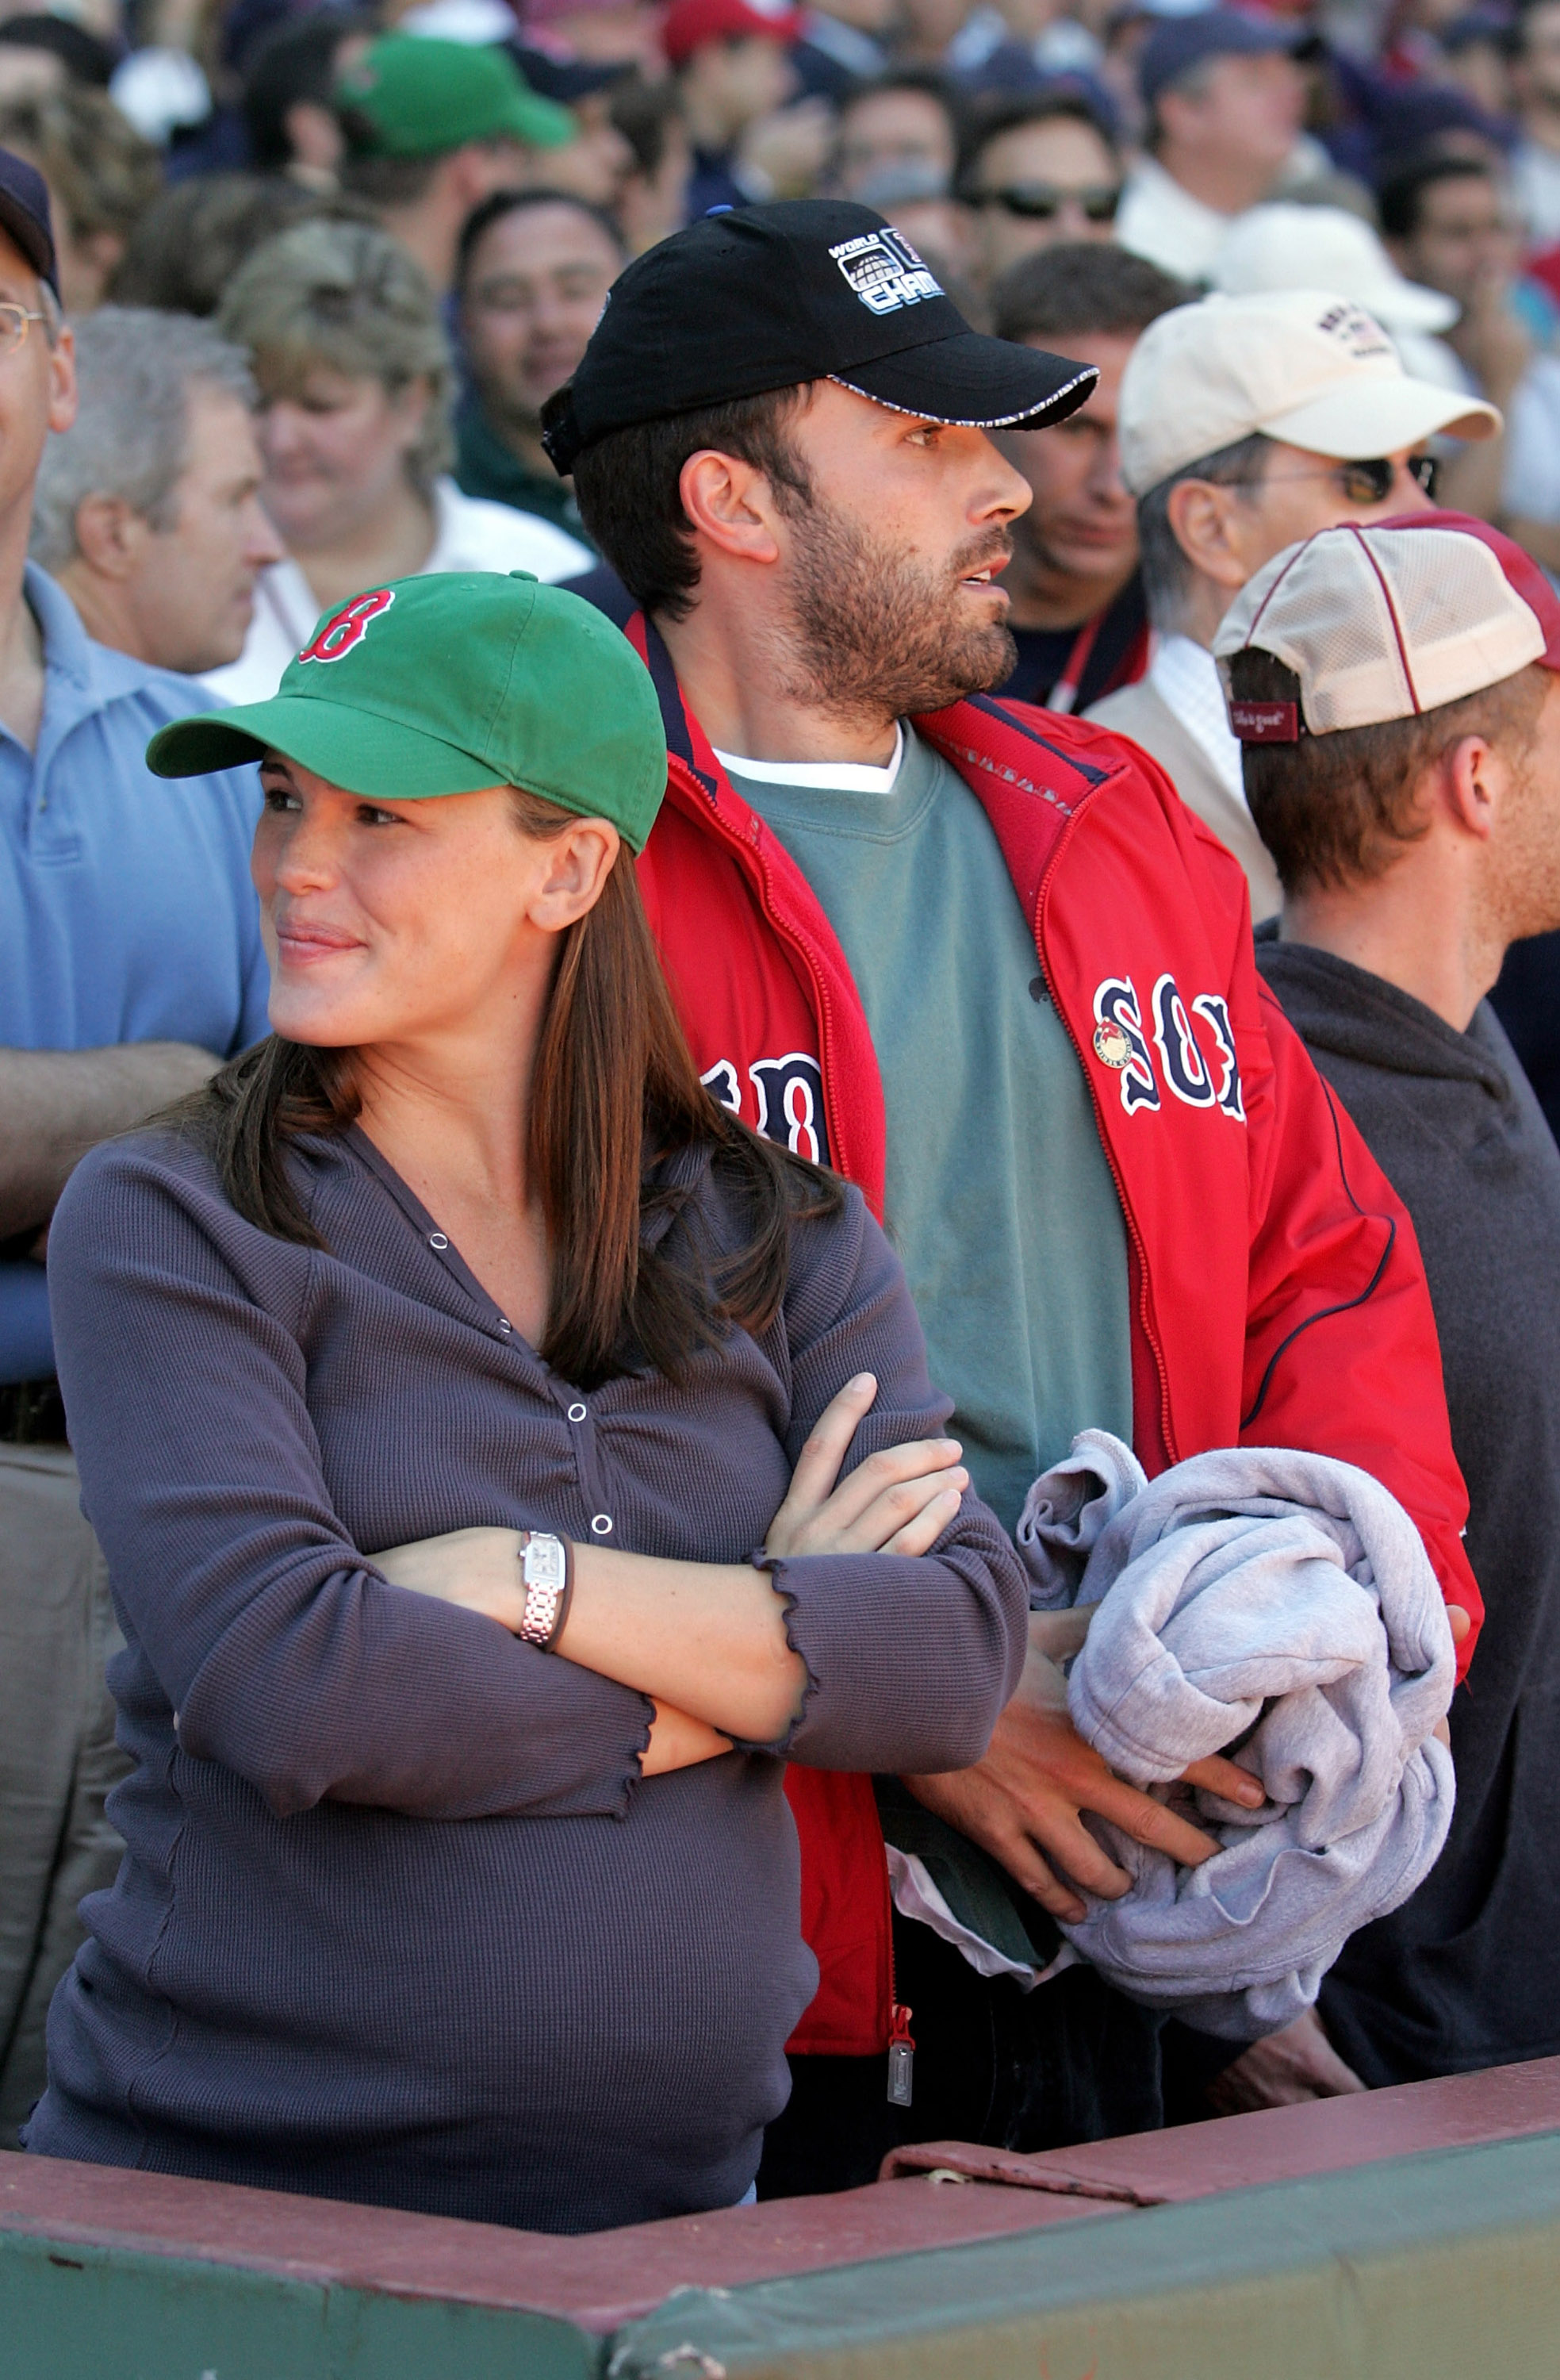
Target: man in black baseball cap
[(757, 298), (919, 935)]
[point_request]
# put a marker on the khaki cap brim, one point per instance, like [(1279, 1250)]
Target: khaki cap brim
[(1362, 419)]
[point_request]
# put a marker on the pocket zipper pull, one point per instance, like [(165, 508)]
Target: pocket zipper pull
[(901, 2057)]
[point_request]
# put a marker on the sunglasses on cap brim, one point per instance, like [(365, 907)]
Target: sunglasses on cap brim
[(1043, 201)]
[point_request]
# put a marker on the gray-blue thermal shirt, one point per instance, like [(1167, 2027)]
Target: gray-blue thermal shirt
[(998, 1195)]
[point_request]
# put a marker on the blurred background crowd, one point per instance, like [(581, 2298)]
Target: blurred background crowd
[(396, 225)]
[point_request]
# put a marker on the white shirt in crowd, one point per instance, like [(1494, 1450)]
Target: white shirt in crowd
[(470, 534), (1165, 223), (1182, 235), (1532, 477), (1185, 677), (1535, 190)]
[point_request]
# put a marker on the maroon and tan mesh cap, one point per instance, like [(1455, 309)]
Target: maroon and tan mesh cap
[(1387, 621)]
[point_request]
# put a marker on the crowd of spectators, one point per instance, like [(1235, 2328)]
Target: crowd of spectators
[(315, 274)]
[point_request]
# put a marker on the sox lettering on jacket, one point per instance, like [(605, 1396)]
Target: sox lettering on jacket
[(786, 1102), (1122, 1042)]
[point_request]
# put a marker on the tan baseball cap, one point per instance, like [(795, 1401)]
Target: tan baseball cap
[(1300, 365), (1385, 621)]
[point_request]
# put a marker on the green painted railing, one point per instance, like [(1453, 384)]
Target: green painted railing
[(1440, 2264)]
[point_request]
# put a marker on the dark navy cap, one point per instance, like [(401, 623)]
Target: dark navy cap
[(24, 214), (1179, 43), (567, 80), (763, 298)]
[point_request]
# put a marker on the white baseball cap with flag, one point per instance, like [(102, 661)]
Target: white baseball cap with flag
[(1387, 621), (1303, 366)]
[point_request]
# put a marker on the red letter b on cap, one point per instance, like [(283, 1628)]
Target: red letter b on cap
[(349, 627)]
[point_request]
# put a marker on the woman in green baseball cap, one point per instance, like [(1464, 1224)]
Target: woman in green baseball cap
[(460, 1395)]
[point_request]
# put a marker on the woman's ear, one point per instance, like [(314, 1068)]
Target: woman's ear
[(579, 862)]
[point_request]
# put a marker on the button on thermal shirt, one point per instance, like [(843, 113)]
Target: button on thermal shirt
[(998, 1194)]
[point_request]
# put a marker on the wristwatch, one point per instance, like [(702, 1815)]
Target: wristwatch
[(547, 1567)]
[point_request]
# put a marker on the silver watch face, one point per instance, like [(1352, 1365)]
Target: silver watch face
[(543, 1563)]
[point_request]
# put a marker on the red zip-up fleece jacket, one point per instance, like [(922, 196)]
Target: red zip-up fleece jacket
[(1277, 1297)]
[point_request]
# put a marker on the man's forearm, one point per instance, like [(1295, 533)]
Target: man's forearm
[(56, 1104)]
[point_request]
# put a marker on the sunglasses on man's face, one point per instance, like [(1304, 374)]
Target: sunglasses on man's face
[(1043, 201), (1371, 483)]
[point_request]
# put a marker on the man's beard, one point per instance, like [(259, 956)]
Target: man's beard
[(876, 632)]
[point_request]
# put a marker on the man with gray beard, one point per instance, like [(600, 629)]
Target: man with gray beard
[(981, 960)]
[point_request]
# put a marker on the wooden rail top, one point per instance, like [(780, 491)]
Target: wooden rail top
[(604, 2279)]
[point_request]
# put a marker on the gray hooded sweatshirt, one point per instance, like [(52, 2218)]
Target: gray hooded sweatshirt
[(1467, 1973)]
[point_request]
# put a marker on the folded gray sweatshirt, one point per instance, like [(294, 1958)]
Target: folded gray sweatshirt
[(1278, 1606)]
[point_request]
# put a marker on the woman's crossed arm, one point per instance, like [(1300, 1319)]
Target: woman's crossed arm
[(707, 1641)]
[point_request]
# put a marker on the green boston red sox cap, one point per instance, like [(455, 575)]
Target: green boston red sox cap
[(410, 95), (454, 682)]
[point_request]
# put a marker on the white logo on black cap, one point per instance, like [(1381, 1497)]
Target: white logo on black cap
[(884, 271)]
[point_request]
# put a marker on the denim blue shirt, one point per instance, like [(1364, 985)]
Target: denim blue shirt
[(126, 913)]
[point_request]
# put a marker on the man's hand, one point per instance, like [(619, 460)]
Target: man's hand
[(1288, 2067), (56, 1104), (1024, 1802)]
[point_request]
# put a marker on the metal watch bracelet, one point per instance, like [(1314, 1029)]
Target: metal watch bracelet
[(547, 1571)]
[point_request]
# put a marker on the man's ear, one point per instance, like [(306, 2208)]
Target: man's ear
[(1474, 779), (1199, 518), (110, 537), (62, 379), (731, 504)]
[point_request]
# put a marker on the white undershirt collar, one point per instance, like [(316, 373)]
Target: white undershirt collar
[(838, 776)]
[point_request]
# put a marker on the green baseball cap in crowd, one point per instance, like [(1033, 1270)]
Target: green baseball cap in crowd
[(412, 96), (454, 682)]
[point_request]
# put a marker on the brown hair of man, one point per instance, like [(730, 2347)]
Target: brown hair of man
[(1080, 287), (1335, 809), (627, 488)]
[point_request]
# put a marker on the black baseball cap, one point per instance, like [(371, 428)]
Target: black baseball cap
[(24, 214), (754, 298)]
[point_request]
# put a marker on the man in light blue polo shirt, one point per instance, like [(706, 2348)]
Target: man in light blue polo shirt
[(130, 966)]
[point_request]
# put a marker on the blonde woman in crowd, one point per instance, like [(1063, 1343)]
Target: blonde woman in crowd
[(355, 383)]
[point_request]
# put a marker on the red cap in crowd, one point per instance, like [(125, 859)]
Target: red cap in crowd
[(690, 24)]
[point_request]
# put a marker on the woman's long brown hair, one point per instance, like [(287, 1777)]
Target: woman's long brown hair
[(614, 1091)]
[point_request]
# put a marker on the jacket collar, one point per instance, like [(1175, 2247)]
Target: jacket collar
[(1001, 749)]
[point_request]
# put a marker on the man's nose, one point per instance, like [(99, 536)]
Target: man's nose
[(1406, 494), (1005, 493), (261, 544), (1104, 472)]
